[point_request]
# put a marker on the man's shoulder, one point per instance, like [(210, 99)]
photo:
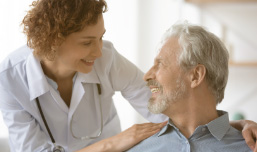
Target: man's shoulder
[(230, 142), (234, 140), (168, 139), (165, 140), (233, 134)]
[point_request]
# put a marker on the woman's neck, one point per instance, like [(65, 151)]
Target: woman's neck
[(56, 72)]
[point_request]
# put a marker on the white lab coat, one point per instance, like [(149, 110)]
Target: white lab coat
[(22, 81)]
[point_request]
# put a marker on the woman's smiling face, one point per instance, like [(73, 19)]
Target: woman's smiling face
[(80, 49)]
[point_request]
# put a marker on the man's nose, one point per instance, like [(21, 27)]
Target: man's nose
[(149, 75)]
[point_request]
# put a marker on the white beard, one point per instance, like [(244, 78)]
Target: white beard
[(162, 102), (159, 106)]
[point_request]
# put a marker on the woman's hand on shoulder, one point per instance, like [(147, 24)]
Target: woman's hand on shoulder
[(249, 132), (134, 135), (126, 139)]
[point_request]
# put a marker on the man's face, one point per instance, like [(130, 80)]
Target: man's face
[(165, 78)]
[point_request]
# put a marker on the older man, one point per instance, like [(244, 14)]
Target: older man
[(187, 81)]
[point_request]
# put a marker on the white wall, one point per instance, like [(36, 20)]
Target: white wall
[(135, 27), (121, 30), (11, 15), (154, 18)]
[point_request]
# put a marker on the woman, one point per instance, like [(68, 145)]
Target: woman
[(56, 94), (69, 58)]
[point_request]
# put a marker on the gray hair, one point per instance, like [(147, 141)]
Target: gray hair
[(198, 46)]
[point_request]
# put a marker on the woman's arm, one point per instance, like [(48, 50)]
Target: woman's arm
[(249, 132), (125, 139), (25, 134)]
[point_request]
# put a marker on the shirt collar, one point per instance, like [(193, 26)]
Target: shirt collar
[(37, 83), (84, 78), (165, 128), (218, 127), (54, 84), (90, 77)]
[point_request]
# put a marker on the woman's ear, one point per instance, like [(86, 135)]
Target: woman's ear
[(197, 75)]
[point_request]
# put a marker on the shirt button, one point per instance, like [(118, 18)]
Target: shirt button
[(186, 142)]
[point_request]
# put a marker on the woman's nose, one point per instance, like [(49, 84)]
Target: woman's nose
[(97, 52)]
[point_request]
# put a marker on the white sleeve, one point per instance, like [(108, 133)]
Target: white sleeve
[(24, 132), (128, 79)]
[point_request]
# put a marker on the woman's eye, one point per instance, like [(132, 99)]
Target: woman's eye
[(87, 43)]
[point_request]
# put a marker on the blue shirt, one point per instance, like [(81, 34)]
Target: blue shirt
[(216, 136)]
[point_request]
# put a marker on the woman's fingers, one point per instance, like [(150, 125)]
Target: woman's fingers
[(127, 138), (248, 139), (148, 133), (250, 133), (135, 134), (149, 127), (140, 132)]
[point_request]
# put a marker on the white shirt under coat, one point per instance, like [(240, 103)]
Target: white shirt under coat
[(22, 81)]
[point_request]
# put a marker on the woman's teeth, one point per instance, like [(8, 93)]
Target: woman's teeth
[(89, 61)]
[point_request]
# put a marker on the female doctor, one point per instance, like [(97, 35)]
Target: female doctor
[(56, 92)]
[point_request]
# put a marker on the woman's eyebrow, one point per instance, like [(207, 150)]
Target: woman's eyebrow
[(91, 37)]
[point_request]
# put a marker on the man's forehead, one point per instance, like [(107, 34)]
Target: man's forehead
[(162, 53), (165, 53), (169, 47)]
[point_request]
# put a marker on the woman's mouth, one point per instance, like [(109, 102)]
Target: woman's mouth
[(88, 62)]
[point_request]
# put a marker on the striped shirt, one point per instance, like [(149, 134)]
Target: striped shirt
[(216, 136)]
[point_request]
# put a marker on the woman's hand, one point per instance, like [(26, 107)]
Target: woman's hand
[(249, 132), (134, 135), (126, 139)]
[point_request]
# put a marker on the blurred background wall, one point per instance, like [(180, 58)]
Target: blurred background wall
[(136, 26)]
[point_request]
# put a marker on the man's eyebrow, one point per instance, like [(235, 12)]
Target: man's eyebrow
[(91, 37), (157, 59)]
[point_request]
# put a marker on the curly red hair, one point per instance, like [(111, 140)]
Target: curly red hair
[(50, 21)]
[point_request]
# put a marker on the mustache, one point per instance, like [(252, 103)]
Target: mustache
[(153, 83)]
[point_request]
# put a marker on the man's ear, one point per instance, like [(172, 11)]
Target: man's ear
[(197, 75)]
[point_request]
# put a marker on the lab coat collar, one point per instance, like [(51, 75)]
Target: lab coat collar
[(78, 89), (37, 83), (90, 77)]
